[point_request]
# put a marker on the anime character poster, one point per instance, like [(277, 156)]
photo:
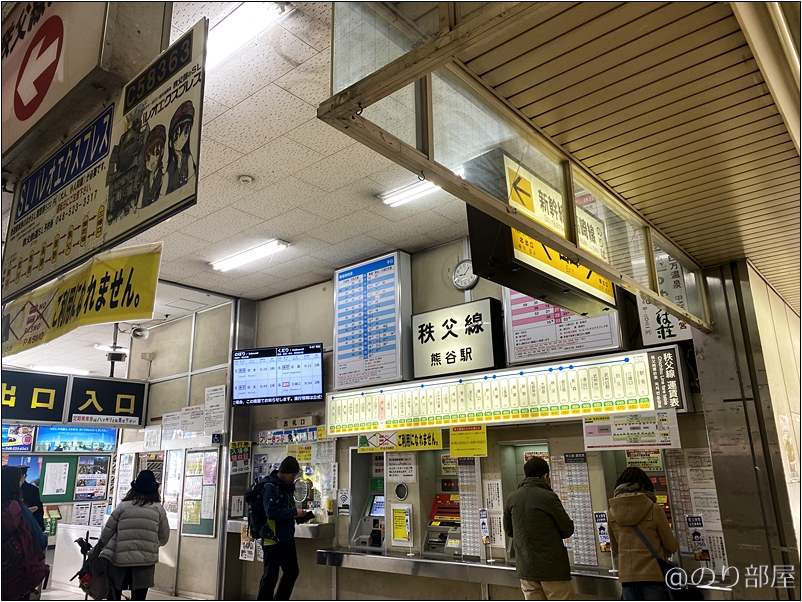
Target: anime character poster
[(133, 166)]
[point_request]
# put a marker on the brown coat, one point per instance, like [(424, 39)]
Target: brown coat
[(635, 562)]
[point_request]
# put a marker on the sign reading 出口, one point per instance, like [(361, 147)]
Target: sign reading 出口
[(129, 169)]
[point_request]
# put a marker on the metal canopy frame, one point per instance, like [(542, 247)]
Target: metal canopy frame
[(343, 111)]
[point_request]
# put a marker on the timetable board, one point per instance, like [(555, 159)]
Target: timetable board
[(622, 382), (278, 375), (369, 321), (536, 330)]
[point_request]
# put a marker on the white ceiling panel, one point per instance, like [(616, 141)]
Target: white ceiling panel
[(222, 225), (310, 22), (213, 156), (344, 167), (279, 198), (317, 135), (309, 81), (292, 223), (179, 245)]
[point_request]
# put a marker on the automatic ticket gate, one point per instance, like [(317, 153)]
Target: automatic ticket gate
[(443, 533), (370, 526)]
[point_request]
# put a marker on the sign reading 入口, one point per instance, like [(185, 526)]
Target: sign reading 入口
[(461, 338), (134, 165)]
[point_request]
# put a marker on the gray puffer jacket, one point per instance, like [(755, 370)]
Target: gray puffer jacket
[(134, 533)]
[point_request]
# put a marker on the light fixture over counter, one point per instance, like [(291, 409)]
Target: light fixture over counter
[(238, 28), (402, 196)]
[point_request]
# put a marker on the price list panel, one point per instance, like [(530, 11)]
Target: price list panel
[(367, 337), (537, 330)]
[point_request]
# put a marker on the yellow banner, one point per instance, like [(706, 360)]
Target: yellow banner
[(401, 525), (115, 286), (468, 441), (388, 441)]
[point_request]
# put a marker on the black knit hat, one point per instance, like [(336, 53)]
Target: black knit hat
[(145, 483), (289, 465)]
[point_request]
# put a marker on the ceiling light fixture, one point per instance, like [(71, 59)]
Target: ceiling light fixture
[(60, 370), (274, 246), (239, 28), (115, 348), (413, 192)]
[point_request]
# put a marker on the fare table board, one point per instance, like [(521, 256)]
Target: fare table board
[(622, 382), (370, 301)]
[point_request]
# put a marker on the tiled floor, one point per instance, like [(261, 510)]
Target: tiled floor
[(74, 593)]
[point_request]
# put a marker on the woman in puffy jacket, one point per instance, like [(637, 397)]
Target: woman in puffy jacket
[(132, 537), (635, 505)]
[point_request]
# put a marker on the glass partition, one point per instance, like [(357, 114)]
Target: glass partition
[(395, 114), (607, 233), (370, 35), (476, 141)]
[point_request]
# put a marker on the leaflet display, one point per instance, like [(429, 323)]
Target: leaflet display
[(278, 375)]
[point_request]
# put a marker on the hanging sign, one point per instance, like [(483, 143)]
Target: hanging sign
[(647, 430), (115, 286), (658, 327), (467, 441), (368, 313), (107, 401), (390, 441), (132, 167), (33, 396), (536, 330), (462, 338)]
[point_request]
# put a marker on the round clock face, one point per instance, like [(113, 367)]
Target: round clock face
[(463, 276)]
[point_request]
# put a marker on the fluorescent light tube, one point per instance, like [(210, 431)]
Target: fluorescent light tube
[(60, 370), (274, 246), (414, 191), (116, 349), (237, 29)]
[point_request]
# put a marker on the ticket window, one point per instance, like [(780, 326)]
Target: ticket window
[(512, 457)]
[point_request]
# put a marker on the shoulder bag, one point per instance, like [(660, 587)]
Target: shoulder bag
[(689, 592)]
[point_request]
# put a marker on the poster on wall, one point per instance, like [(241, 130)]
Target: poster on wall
[(658, 327), (642, 430), (171, 488), (603, 531), (536, 330), (125, 474), (32, 463), (401, 524), (367, 329), (92, 478), (134, 165), (239, 454), (75, 439), (18, 437), (650, 460), (55, 479)]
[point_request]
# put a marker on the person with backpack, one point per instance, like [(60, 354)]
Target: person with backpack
[(278, 531), (24, 543), (639, 531), (132, 537)]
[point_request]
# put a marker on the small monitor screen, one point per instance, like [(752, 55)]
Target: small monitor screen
[(377, 506), (278, 375)]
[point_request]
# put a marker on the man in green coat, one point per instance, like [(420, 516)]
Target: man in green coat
[(537, 522)]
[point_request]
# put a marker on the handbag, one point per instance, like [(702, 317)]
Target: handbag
[(688, 592)]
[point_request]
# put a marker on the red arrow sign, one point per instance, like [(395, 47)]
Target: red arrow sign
[(38, 68)]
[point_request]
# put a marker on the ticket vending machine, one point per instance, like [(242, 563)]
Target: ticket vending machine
[(369, 533), (443, 533)]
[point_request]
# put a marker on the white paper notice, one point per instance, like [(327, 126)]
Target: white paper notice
[(80, 514), (208, 502), (402, 468), (171, 426), (193, 488), (192, 421), (700, 469), (97, 514), (323, 452), (237, 506), (493, 498), (705, 504), (215, 421), (153, 438), (56, 478)]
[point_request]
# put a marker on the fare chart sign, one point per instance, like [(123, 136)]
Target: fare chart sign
[(131, 167)]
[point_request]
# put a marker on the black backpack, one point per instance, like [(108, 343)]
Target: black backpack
[(257, 519)]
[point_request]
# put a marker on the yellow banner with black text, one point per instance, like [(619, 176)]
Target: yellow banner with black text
[(115, 286)]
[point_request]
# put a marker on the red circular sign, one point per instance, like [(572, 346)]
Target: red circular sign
[(38, 68)]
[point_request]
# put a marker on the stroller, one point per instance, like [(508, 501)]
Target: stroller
[(93, 576)]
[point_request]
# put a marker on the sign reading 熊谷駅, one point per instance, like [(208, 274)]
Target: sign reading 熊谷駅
[(113, 402), (390, 441), (461, 338), (134, 165), (115, 286), (609, 384)]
